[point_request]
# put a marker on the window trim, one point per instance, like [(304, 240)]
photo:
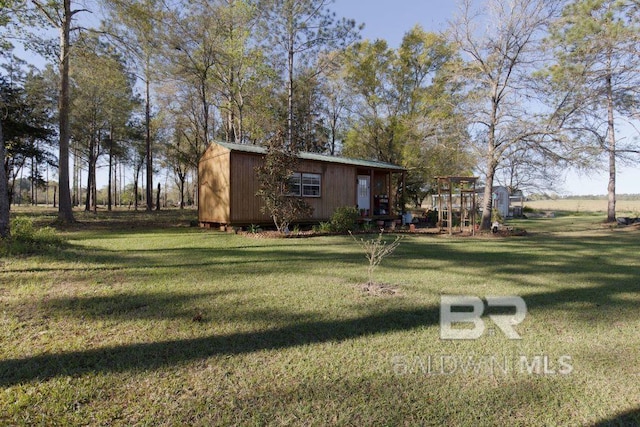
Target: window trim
[(312, 185), (296, 181), (298, 185)]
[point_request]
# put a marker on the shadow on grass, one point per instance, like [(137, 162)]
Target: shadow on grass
[(207, 307), (120, 218), (604, 262), (130, 219), (131, 305), (596, 258), (516, 259), (218, 260), (299, 331), (627, 419), (145, 356)]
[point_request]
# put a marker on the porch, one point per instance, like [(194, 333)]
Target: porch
[(379, 194)]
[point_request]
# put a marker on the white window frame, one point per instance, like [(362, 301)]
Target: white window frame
[(308, 189), (291, 184)]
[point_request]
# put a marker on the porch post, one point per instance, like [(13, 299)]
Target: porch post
[(389, 192), (473, 209), (440, 203), (403, 201), (450, 208), (371, 205)]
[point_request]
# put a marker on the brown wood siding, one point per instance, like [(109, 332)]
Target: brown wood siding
[(228, 186), (215, 188), (245, 205), (338, 186)]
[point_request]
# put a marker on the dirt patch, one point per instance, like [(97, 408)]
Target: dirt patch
[(272, 234), (379, 289), (632, 227), (510, 231)]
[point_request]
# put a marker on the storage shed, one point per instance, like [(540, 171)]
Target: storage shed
[(228, 185)]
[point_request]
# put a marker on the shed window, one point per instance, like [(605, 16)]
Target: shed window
[(294, 185), (304, 184), (311, 185)]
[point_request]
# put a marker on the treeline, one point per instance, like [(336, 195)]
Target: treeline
[(619, 197), (541, 89), (26, 192)]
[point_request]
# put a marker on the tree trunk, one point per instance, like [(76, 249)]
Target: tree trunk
[(32, 183), (205, 112), (136, 178), (89, 201), (158, 198), (109, 186), (334, 129), (182, 179), (135, 195), (487, 203), (5, 225), (611, 188), (182, 176), (147, 118), (121, 181), (240, 132), (290, 92), (231, 119), (65, 212), (75, 200), (94, 190), (116, 194), (11, 186)]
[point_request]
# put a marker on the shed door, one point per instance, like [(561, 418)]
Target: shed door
[(364, 192)]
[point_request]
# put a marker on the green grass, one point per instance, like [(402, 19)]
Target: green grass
[(142, 320), (563, 222)]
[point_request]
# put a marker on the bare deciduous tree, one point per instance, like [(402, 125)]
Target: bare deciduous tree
[(500, 47)]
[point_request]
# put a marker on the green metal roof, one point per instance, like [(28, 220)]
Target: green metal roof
[(316, 157)]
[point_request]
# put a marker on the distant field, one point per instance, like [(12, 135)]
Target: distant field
[(623, 207)]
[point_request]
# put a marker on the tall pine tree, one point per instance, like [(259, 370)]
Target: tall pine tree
[(597, 50)]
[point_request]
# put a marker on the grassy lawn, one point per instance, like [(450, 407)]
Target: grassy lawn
[(142, 320)]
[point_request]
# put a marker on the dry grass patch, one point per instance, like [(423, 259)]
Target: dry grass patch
[(379, 289)]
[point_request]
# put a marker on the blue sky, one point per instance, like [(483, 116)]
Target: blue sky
[(391, 19)]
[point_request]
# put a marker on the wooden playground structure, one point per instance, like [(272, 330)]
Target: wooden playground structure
[(457, 201)]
